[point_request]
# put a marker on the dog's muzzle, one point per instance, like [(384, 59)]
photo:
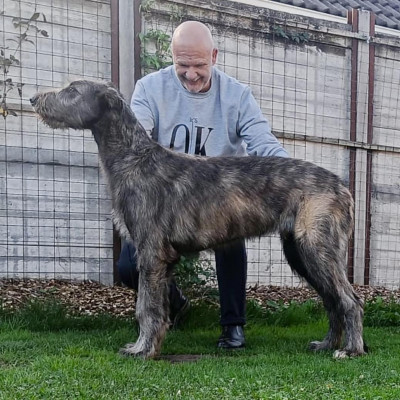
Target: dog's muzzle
[(34, 99)]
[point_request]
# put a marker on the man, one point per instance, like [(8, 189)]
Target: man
[(194, 108)]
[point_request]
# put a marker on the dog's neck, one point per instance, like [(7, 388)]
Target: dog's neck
[(124, 136)]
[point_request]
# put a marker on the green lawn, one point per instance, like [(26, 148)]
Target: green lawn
[(46, 355)]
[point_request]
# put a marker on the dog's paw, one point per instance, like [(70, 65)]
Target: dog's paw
[(131, 352), (342, 354), (137, 350), (319, 346)]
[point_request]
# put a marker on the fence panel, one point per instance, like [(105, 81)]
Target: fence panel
[(305, 74), (330, 92), (54, 206)]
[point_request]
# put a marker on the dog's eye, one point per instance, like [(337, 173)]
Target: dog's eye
[(72, 89)]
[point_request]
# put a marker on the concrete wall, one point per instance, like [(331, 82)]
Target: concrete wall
[(304, 88), (385, 203), (54, 206)]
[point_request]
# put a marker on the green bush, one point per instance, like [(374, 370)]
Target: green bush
[(382, 313), (196, 276)]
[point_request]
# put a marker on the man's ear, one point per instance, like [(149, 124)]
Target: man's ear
[(214, 56)]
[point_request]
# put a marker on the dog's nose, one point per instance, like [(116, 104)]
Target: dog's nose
[(33, 99)]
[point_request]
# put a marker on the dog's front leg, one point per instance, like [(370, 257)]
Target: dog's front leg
[(152, 310)]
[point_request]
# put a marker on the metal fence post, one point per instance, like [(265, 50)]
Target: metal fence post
[(361, 130)]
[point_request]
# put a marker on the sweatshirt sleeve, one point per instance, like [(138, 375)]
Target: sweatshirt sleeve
[(255, 130), (141, 107)]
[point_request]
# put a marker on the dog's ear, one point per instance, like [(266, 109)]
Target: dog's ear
[(110, 84), (111, 97)]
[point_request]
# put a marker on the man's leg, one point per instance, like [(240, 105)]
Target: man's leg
[(129, 275), (231, 265), (127, 267)]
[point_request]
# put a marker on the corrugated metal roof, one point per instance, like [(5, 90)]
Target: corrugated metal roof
[(387, 12)]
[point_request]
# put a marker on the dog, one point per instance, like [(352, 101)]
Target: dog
[(169, 204)]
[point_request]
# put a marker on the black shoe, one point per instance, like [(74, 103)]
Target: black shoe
[(179, 307), (232, 337)]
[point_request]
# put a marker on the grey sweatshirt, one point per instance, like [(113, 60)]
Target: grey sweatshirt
[(226, 120)]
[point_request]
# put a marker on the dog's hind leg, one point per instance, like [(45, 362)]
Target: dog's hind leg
[(152, 309), (326, 274), (351, 306), (316, 249), (295, 259)]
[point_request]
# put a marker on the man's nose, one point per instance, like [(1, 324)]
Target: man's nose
[(191, 74)]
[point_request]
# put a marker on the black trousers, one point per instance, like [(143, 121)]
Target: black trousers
[(231, 266)]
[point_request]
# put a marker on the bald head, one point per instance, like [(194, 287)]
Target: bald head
[(194, 55), (192, 33)]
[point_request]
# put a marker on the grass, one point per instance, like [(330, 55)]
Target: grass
[(46, 354)]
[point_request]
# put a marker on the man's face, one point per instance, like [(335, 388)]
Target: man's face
[(193, 67)]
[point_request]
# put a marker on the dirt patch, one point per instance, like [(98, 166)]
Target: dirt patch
[(179, 358)]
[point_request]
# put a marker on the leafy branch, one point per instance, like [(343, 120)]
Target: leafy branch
[(8, 57), (160, 56), (155, 44), (297, 37)]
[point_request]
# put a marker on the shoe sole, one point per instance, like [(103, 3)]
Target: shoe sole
[(230, 348)]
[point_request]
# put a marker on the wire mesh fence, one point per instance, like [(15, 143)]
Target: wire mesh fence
[(330, 91), (54, 206)]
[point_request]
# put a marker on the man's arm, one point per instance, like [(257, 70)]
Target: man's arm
[(141, 107), (255, 130)]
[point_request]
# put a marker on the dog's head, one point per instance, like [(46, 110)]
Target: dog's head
[(80, 105)]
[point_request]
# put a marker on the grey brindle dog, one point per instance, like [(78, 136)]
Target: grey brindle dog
[(170, 203)]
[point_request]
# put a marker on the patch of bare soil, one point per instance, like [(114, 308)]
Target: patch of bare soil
[(92, 298), (179, 358)]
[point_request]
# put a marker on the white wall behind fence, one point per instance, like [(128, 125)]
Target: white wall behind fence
[(54, 206)]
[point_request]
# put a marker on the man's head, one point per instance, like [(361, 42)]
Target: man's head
[(193, 55)]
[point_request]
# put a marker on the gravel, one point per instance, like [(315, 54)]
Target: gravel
[(92, 298)]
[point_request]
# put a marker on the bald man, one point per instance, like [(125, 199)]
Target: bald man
[(194, 108), (194, 55)]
